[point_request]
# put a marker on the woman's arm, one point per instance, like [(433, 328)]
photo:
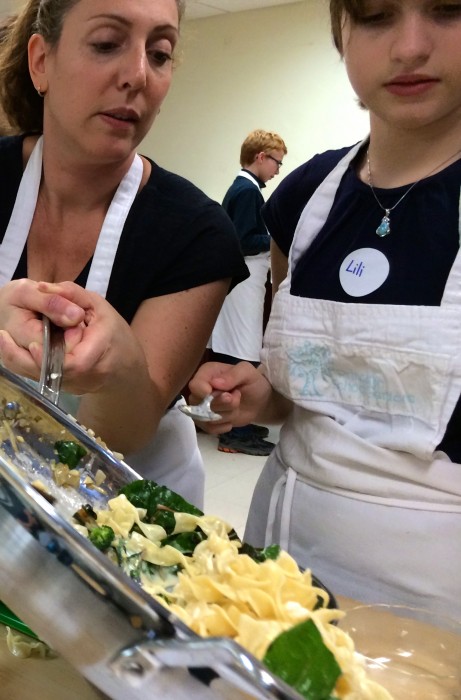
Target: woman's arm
[(125, 375), (161, 351)]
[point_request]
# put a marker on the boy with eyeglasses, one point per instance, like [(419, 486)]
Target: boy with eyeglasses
[(238, 332)]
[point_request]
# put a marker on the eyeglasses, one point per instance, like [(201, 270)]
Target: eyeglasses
[(279, 162)]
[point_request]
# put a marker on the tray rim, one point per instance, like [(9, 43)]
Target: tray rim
[(94, 562)]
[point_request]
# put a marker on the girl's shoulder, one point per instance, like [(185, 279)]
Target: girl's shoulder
[(308, 176), (283, 209)]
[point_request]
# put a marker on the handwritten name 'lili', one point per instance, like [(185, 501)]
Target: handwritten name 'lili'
[(355, 268)]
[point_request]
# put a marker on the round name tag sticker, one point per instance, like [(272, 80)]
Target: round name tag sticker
[(363, 271)]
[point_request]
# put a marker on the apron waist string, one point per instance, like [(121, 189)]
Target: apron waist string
[(287, 480)]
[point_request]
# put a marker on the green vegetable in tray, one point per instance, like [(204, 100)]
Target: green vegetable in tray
[(149, 495), (135, 566), (69, 452), (101, 536), (300, 658), (164, 518), (185, 542), (261, 553)]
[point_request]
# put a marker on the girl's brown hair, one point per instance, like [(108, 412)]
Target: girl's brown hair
[(338, 11)]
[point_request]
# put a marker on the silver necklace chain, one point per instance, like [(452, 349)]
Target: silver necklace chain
[(384, 227)]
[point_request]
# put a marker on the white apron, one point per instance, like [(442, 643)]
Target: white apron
[(354, 489), (238, 330), (172, 458)]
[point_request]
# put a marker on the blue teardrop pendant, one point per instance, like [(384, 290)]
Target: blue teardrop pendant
[(384, 227)]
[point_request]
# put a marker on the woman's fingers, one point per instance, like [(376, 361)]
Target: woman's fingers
[(65, 303), (17, 359)]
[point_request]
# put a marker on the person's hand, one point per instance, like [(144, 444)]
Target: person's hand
[(101, 351), (104, 364), (22, 304), (241, 393)]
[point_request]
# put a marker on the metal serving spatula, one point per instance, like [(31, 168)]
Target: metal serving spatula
[(52, 361)]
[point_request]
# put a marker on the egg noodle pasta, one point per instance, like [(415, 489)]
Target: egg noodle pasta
[(220, 592)]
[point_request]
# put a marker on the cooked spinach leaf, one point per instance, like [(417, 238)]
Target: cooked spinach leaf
[(186, 542), (69, 452), (164, 518), (147, 494), (300, 658), (260, 553)]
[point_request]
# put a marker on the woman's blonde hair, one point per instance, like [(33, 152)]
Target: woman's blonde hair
[(19, 99)]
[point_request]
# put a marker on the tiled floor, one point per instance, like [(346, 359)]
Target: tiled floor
[(230, 479)]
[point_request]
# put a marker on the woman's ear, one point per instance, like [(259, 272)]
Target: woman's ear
[(37, 51)]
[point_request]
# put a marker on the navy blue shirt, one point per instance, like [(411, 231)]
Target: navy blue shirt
[(421, 248), (243, 202)]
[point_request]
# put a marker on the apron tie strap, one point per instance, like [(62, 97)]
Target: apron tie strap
[(287, 480)]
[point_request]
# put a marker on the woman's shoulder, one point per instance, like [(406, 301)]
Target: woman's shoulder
[(172, 209), (11, 147), (179, 236), (11, 170), (169, 187), (176, 204)]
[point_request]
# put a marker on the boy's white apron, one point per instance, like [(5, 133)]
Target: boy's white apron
[(172, 458), (238, 330), (354, 488)]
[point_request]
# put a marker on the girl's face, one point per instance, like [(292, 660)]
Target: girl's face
[(107, 77), (403, 58)]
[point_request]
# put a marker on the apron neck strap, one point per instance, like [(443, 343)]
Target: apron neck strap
[(20, 222)]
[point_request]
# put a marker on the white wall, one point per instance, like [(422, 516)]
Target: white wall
[(274, 69)]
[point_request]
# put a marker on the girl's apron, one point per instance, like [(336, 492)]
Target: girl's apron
[(238, 330), (354, 489), (172, 457)]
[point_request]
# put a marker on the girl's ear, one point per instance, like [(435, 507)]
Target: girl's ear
[(37, 51)]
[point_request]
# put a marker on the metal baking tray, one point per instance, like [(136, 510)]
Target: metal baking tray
[(79, 602)]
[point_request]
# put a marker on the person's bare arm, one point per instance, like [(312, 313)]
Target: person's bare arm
[(279, 266), (125, 375), (169, 335)]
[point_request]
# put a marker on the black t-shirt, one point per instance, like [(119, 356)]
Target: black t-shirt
[(174, 238), (421, 248)]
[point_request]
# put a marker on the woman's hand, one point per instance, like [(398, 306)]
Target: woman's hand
[(104, 361), (22, 304), (243, 394), (99, 345), (101, 351)]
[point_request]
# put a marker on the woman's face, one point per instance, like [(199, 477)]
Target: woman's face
[(403, 58), (108, 75)]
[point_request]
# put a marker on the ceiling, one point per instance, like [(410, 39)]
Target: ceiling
[(195, 9)]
